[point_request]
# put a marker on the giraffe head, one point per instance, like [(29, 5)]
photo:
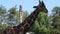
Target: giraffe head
[(41, 7)]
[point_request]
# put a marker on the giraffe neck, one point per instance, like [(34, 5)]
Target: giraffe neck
[(28, 22)]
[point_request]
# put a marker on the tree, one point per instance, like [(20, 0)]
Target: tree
[(2, 17), (56, 20), (11, 16), (56, 11), (56, 17), (2, 10), (2, 13), (42, 24)]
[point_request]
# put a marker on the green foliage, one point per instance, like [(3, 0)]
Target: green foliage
[(56, 11), (12, 12), (56, 20), (56, 17), (2, 10), (2, 14), (2, 27), (42, 24)]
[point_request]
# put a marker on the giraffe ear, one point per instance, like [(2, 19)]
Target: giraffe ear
[(35, 7)]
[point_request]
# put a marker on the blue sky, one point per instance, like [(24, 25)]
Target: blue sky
[(28, 4)]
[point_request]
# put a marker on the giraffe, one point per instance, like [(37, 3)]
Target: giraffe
[(28, 22), (30, 19)]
